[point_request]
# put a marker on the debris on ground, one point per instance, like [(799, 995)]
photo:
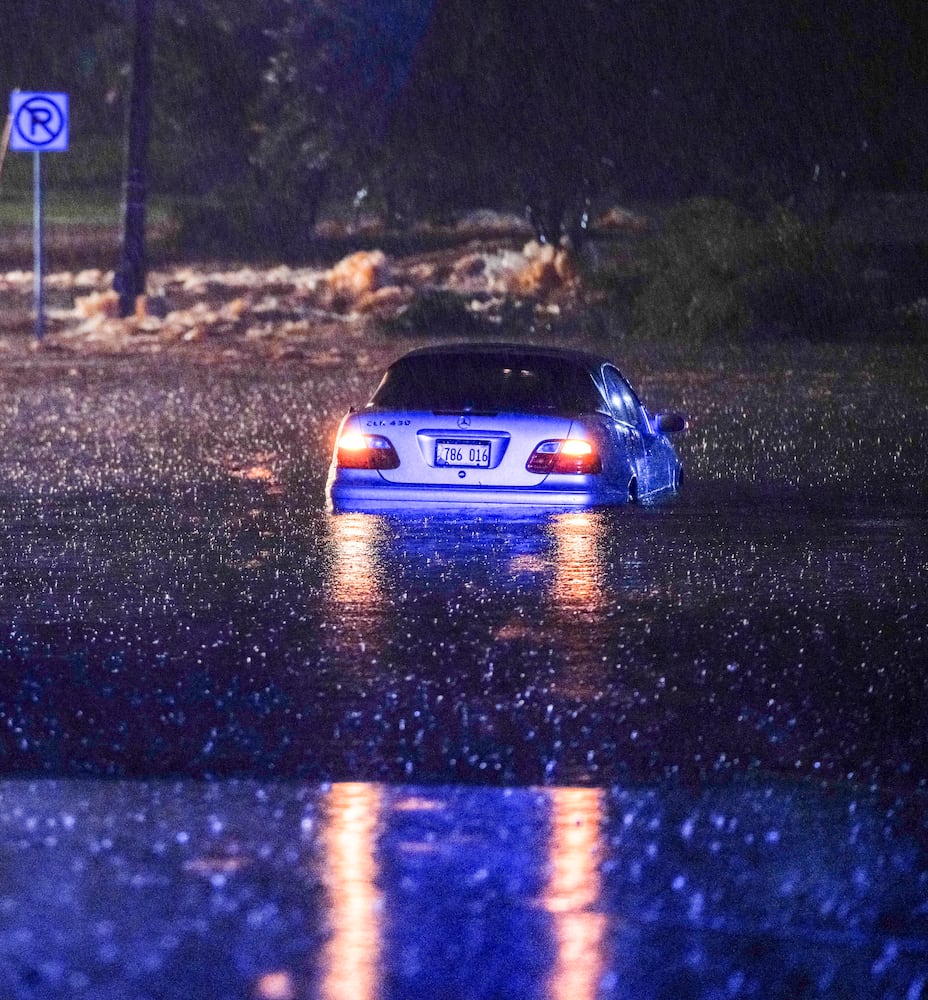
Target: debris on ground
[(282, 310)]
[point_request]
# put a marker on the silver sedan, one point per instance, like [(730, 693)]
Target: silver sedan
[(502, 424)]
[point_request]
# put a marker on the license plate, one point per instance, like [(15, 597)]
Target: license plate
[(470, 454)]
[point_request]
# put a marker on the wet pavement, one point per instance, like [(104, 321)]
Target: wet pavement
[(255, 889), (253, 749)]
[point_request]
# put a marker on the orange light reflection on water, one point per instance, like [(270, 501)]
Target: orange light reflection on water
[(352, 962), (572, 895), (578, 576), (356, 577)]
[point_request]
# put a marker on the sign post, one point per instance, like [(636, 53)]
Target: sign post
[(38, 257), (39, 124)]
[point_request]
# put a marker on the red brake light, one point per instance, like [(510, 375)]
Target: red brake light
[(366, 451), (574, 456)]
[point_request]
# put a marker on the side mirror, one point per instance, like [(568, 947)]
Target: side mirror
[(669, 423)]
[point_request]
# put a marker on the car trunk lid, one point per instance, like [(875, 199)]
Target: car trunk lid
[(465, 448)]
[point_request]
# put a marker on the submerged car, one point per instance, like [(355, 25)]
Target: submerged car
[(502, 424)]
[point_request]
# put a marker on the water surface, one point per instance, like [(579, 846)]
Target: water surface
[(254, 749)]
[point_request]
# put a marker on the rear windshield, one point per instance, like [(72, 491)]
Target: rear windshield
[(492, 383)]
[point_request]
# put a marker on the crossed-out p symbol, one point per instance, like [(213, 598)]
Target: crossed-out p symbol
[(40, 122)]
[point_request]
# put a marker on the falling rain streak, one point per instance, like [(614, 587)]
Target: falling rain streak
[(659, 749), (177, 600), (366, 891)]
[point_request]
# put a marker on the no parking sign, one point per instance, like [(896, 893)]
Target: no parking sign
[(39, 122)]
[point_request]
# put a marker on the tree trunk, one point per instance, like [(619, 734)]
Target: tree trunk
[(131, 277)]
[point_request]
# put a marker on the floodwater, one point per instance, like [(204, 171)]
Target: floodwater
[(670, 750)]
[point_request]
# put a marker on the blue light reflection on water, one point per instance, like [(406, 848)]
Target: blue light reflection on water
[(751, 889), (737, 679), (708, 635), (238, 631)]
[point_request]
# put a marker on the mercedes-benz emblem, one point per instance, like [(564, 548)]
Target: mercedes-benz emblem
[(464, 421)]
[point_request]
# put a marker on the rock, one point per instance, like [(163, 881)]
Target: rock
[(384, 302), (547, 270), (471, 265), (621, 220), (359, 274), (97, 304)]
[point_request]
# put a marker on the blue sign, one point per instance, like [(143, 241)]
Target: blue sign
[(39, 122)]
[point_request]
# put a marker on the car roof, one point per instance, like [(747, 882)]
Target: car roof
[(584, 358)]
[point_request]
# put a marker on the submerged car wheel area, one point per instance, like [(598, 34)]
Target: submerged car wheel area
[(502, 424)]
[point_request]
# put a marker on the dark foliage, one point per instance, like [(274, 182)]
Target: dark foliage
[(542, 103), (510, 104), (520, 100), (327, 92), (713, 270), (438, 311), (84, 54), (209, 57), (266, 111)]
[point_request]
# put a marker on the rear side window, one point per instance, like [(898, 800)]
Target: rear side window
[(489, 383), (622, 400)]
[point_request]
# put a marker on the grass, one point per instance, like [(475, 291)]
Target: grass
[(61, 208), (75, 208)]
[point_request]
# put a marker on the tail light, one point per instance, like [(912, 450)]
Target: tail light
[(571, 455), (366, 451)]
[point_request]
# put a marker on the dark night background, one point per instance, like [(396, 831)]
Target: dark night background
[(438, 107)]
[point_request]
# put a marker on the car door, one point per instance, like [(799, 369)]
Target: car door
[(626, 421)]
